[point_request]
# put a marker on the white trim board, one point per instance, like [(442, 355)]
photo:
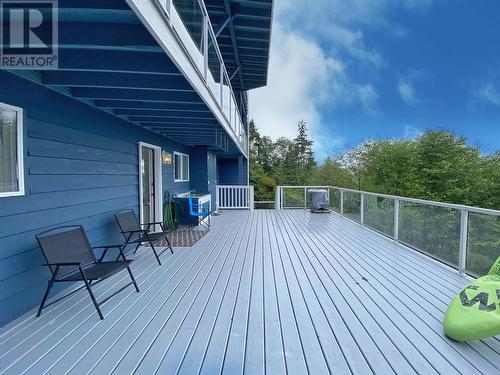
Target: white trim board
[(174, 165), (158, 181), (19, 151)]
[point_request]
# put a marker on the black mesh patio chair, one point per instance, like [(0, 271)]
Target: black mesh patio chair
[(134, 233), (70, 257)]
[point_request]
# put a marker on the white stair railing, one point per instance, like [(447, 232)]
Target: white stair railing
[(236, 197)]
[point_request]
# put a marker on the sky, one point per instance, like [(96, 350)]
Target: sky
[(359, 70)]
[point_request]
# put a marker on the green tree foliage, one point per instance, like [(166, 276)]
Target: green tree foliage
[(331, 173), (437, 166), (283, 162)]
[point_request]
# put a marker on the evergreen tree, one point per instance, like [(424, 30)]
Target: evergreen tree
[(304, 145)]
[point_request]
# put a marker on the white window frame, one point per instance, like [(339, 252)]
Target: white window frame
[(175, 166), (20, 152)]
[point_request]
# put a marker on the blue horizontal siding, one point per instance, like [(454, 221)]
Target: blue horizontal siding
[(81, 166), (232, 171), (203, 170), (48, 183)]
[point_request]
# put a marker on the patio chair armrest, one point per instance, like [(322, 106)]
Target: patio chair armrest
[(205, 210), (160, 223), (134, 231), (106, 247), (63, 264), (203, 206), (105, 250)]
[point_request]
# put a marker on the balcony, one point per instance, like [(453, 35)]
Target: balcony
[(265, 291), (190, 22), (155, 64)]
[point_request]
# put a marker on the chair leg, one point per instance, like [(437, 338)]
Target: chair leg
[(137, 248), (133, 279), (168, 244), (103, 255), (154, 250), (207, 224), (87, 285), (49, 286)]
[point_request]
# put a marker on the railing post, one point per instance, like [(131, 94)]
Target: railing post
[(217, 192), (281, 198), (362, 209), (464, 232), (396, 220), (342, 202), (205, 45), (221, 80), (167, 7), (305, 198), (252, 203)]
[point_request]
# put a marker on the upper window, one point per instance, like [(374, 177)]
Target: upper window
[(181, 167), (11, 151)]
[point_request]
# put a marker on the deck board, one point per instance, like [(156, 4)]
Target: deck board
[(264, 292)]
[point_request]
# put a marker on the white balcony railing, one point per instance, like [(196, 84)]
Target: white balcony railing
[(464, 237), (190, 20), (238, 197)]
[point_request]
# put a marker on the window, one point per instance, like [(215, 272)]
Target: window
[(11, 151), (181, 167)]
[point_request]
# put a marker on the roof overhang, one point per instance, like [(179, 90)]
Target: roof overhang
[(244, 33), (110, 60)]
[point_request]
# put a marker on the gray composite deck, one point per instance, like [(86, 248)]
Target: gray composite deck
[(264, 292)]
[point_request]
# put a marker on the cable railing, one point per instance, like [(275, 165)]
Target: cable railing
[(190, 20), (464, 237)]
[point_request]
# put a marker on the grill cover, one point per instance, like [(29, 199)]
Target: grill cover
[(319, 200)]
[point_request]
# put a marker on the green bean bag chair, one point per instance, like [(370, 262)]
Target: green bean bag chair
[(475, 312)]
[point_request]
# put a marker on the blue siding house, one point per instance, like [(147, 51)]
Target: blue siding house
[(149, 99)]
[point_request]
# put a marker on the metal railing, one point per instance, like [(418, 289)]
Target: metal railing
[(464, 237), (190, 20), (237, 197)]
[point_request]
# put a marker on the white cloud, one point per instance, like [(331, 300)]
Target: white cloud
[(488, 94), (329, 145), (298, 79), (315, 49), (301, 79), (417, 4), (406, 87), (339, 21), (484, 93), (411, 132), (336, 23), (407, 92), (368, 98)]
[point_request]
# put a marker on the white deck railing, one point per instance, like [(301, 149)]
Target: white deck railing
[(237, 197), (464, 237)]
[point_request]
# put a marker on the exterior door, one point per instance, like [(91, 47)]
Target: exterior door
[(148, 185)]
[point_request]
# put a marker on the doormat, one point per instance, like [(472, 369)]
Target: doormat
[(182, 238)]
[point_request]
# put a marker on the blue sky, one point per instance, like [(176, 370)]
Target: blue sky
[(368, 69)]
